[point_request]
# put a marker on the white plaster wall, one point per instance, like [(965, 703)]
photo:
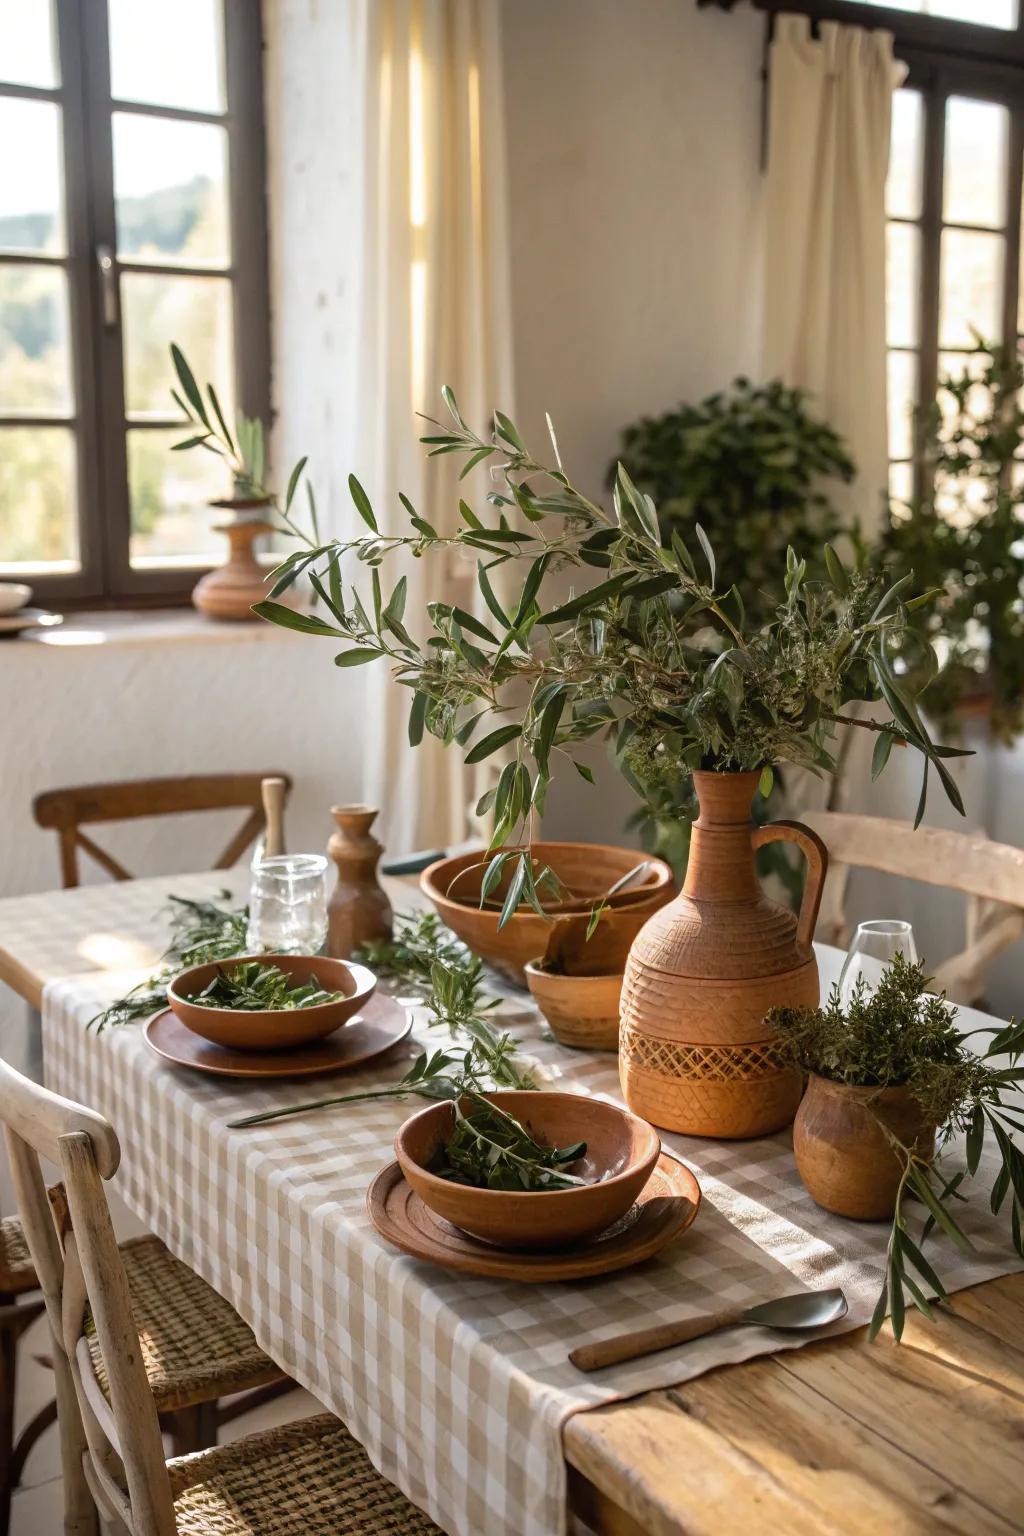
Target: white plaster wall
[(128, 709), (635, 192)]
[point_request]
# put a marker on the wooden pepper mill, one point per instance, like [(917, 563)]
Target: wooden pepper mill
[(358, 910)]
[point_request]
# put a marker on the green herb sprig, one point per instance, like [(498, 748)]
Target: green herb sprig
[(902, 1035), (490, 1149), (657, 655), (255, 987), (201, 930)]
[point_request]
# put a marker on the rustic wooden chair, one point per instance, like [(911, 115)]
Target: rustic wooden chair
[(68, 810), (306, 1477), (990, 874), (195, 1350)]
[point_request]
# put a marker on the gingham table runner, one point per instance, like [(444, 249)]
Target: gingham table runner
[(458, 1387)]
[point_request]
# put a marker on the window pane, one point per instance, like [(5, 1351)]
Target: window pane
[(955, 366), (170, 189), (974, 187), (195, 312), (38, 525), (902, 394), (168, 52), (984, 13), (31, 179), (970, 287), (27, 52), (903, 187), (902, 256), (171, 521), (35, 357)]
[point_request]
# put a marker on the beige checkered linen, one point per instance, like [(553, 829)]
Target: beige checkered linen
[(458, 1387)]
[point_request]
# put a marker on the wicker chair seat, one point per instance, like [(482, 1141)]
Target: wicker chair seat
[(306, 1479), (194, 1344), (17, 1272)]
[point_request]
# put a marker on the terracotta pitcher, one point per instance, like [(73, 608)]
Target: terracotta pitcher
[(358, 910), (694, 1053)]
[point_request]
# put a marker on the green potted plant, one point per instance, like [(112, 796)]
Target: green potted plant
[(230, 589), (892, 1086), (964, 537), (662, 661)]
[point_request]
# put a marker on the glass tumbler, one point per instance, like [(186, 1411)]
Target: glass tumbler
[(873, 947), (288, 905)]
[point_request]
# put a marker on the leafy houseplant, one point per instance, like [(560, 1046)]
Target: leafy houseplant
[(966, 539), (750, 464), (886, 1077)]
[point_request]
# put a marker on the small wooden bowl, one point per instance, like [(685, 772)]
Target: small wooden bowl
[(582, 1011), (588, 869), (621, 1154), (273, 1029)]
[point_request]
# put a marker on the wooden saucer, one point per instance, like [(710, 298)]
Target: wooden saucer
[(376, 1028), (666, 1206)]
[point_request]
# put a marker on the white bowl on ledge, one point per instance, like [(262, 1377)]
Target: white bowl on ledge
[(13, 595)]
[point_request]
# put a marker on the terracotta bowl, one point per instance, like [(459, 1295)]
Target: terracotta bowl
[(588, 869), (621, 1153), (582, 1011), (275, 1029)]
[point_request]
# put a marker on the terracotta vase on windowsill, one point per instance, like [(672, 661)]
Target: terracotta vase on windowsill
[(694, 1052), (229, 590)]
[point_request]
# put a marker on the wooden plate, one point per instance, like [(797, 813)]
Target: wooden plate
[(376, 1028), (666, 1207)]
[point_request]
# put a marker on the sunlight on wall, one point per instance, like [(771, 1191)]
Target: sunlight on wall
[(418, 221)]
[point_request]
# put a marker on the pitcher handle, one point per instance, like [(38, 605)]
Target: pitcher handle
[(816, 854)]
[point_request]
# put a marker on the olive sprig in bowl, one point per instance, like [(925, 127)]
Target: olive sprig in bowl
[(269, 1002)]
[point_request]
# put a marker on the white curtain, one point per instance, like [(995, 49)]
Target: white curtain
[(435, 310), (829, 117)]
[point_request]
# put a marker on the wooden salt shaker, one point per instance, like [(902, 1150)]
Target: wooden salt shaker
[(358, 910)]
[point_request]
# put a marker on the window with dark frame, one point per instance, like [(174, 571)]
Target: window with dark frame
[(954, 192), (132, 214)]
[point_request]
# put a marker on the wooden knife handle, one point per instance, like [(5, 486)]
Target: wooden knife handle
[(645, 1341)]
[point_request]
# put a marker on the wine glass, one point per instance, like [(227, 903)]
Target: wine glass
[(288, 905), (874, 945)]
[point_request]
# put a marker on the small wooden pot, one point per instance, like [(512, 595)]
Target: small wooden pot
[(358, 910), (843, 1155), (582, 1011)]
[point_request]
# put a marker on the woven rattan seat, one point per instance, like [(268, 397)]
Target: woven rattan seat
[(16, 1272), (195, 1347), (307, 1479)]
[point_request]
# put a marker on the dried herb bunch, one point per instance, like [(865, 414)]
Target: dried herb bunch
[(490, 1149), (655, 657), (902, 1035), (254, 987)]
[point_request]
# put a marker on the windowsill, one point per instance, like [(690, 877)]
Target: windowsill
[(154, 626)]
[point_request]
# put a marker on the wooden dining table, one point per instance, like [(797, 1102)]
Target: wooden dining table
[(840, 1436)]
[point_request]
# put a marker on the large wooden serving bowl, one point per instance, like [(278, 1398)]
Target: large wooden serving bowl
[(273, 1029), (622, 1151), (589, 870)]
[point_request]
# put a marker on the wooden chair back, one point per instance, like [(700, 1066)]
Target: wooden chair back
[(114, 1444), (991, 875), (66, 811)]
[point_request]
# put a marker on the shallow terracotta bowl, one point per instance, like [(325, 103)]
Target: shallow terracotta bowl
[(588, 869), (273, 1029), (621, 1153)]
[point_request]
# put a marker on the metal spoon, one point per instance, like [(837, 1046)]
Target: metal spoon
[(807, 1309)]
